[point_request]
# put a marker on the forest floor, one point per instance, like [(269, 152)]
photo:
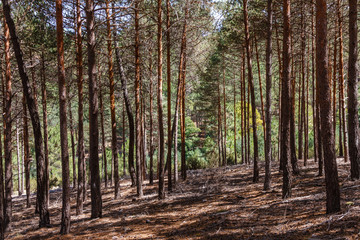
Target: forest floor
[(219, 203)]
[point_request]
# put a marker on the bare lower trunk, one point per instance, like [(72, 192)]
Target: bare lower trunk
[(104, 158), (7, 132), (32, 105), (81, 191), (151, 171), (183, 91), (353, 118), (45, 125), (137, 104), (341, 77), (176, 171), (159, 103), (252, 91), (26, 153), (2, 224), (129, 112), (286, 104), (114, 149), (65, 216), (225, 125), (327, 135), (72, 147), (96, 201), (168, 73), (267, 182), (18, 157)]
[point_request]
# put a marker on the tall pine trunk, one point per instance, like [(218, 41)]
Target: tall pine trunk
[(327, 135), (81, 191), (353, 118), (151, 140), (72, 139), (260, 87), (234, 89), (252, 91), (34, 114), (159, 103), (2, 223), (103, 147), (314, 105), (341, 78), (7, 132), (225, 125), (114, 148), (18, 156), (168, 73), (65, 216), (137, 103), (182, 99), (45, 125), (96, 201), (129, 113), (267, 183), (26, 152), (286, 104)]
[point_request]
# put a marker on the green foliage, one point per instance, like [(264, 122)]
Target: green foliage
[(196, 160)]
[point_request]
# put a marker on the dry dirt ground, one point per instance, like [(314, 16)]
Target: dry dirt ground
[(219, 203)]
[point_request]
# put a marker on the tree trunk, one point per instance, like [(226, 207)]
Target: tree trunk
[(159, 102), (341, 151), (7, 132), (181, 78), (341, 77), (26, 153), (225, 125), (45, 125), (280, 94), (96, 201), (137, 103), (260, 87), (103, 147), (219, 126), (2, 224), (81, 191), (114, 148), (235, 152), (334, 89), (32, 105), (294, 159), (32, 71), (303, 76), (318, 125), (306, 123), (252, 91), (327, 135), (129, 113), (314, 105), (248, 123), (267, 182), (242, 112), (123, 139), (176, 171), (65, 216), (168, 71), (18, 156), (151, 171), (72, 146), (353, 118), (244, 108), (286, 104), (183, 91)]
